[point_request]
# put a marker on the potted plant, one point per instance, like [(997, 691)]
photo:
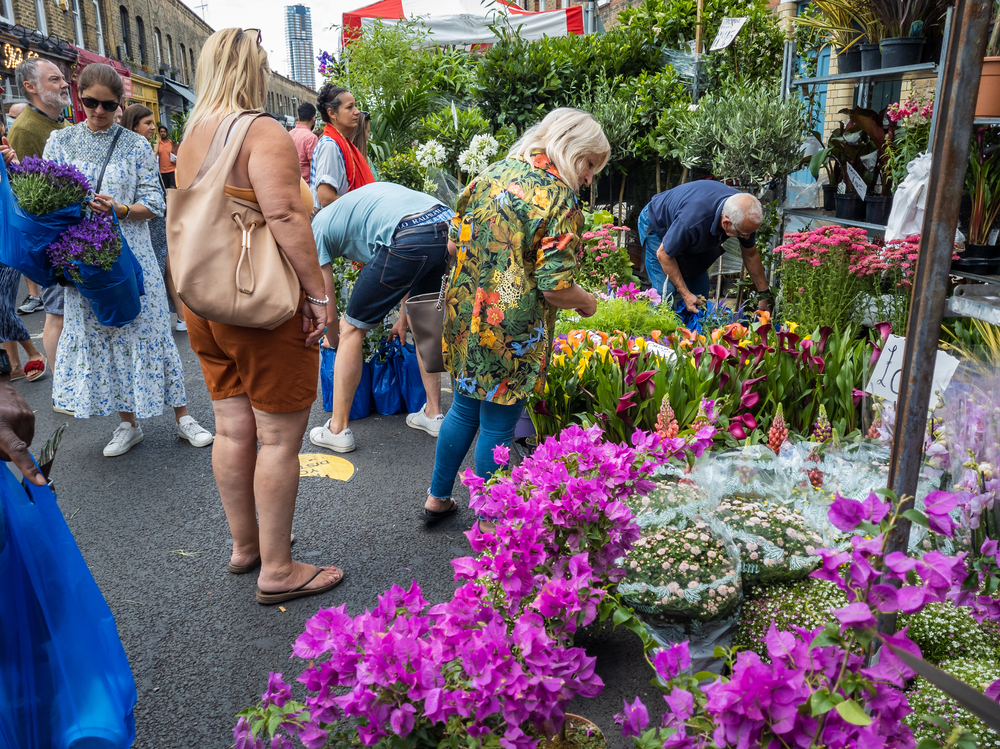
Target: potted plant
[(878, 200), (824, 159), (848, 144), (988, 103), (904, 24), (836, 23), (982, 182)]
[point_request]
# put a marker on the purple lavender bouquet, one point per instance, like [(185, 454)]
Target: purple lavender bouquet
[(42, 186), (95, 241)]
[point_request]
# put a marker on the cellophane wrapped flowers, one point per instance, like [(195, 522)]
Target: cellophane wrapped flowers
[(927, 702), (42, 186), (94, 241), (776, 542)]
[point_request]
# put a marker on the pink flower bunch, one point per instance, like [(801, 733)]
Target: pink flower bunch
[(835, 243), (631, 292), (817, 690), (910, 112)]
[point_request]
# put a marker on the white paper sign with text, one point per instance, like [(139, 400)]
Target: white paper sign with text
[(885, 380), (859, 184), (727, 33)]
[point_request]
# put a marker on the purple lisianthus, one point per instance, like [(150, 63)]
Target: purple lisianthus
[(95, 241), (42, 186)]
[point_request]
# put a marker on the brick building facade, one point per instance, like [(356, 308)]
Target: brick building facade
[(284, 96)]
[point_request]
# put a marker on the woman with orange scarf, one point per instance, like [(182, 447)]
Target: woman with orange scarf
[(337, 166)]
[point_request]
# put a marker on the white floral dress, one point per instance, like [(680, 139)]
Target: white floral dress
[(135, 368)]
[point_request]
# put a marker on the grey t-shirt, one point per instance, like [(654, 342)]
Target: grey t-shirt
[(327, 168)]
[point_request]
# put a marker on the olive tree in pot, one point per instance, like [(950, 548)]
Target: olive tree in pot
[(988, 103), (905, 24)]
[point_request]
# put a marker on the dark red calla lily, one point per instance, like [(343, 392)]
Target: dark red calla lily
[(625, 402), (541, 409), (884, 331), (644, 383), (723, 380), (696, 352), (824, 334), (876, 353)]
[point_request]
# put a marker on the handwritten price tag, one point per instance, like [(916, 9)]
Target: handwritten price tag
[(727, 33), (885, 379), (859, 184)]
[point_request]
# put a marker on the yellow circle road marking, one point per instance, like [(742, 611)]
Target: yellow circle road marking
[(317, 465)]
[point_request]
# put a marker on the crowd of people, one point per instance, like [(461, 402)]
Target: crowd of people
[(504, 261)]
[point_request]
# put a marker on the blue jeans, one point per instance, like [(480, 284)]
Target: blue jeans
[(700, 285), (651, 243), (494, 422)]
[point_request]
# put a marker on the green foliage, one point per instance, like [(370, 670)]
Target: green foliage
[(654, 93), (613, 104), (179, 122), (634, 319), (403, 169), (928, 701), (945, 632), (745, 134), (382, 64), (440, 126), (805, 603), (449, 73), (756, 54), (519, 81), (393, 124)]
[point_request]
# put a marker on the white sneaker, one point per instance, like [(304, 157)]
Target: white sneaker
[(339, 443), (182, 326), (123, 439), (193, 432), (420, 420)]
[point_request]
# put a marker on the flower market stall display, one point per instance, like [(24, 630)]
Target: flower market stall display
[(818, 690), (912, 118), (602, 260), (40, 199), (982, 183), (931, 707), (624, 310)]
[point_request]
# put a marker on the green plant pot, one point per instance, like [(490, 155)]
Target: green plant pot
[(900, 51)]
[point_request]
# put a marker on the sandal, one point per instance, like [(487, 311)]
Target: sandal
[(15, 376), (271, 598), (36, 369), (433, 518)]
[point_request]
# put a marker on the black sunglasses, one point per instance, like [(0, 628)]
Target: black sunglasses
[(91, 103)]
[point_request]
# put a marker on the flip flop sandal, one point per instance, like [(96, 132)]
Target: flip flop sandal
[(35, 369), (271, 598), (242, 569), (433, 518), (18, 377)]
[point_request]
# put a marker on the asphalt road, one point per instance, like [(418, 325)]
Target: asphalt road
[(151, 527)]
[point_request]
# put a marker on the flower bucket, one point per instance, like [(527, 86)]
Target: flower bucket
[(24, 237), (114, 295)]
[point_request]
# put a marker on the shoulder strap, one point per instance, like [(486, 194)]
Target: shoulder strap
[(111, 150), (216, 147)]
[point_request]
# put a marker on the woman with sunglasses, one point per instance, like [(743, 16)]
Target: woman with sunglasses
[(135, 369)]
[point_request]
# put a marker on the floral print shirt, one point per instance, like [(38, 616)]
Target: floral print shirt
[(517, 232)]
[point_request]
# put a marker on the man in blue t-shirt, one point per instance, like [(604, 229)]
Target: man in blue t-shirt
[(682, 231), (401, 236)]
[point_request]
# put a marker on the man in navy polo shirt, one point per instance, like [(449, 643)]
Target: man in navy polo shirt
[(682, 231)]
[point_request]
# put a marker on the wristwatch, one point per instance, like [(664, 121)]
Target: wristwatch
[(766, 293), (4, 364)]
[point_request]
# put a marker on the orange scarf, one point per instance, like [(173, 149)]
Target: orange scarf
[(358, 171)]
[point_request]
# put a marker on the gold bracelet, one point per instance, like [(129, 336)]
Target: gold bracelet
[(128, 211)]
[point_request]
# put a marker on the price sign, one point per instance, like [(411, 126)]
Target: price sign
[(885, 379), (727, 33), (660, 350), (859, 184)]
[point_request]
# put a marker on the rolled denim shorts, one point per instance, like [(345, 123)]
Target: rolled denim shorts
[(52, 298), (414, 264)]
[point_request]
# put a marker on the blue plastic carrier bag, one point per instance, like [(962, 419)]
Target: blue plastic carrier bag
[(114, 294), (386, 392), (25, 237), (65, 682), (410, 383), (361, 406)]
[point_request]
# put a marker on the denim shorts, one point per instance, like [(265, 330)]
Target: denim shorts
[(414, 264)]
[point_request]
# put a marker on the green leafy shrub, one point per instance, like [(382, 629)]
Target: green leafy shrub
[(928, 701), (945, 632), (804, 603), (450, 73), (403, 169), (633, 318)]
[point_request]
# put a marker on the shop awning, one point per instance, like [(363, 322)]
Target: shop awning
[(180, 89)]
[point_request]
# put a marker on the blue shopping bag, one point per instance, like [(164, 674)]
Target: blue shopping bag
[(25, 237), (410, 383), (64, 678), (361, 406), (114, 295), (386, 392)]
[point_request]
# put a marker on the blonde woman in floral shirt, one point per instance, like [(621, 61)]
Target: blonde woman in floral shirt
[(515, 240)]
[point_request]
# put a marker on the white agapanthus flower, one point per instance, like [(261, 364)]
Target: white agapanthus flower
[(430, 154), (479, 154)]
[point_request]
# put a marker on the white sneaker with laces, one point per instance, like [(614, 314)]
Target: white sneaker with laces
[(343, 442), (193, 432), (182, 326), (123, 439), (29, 305), (420, 420)]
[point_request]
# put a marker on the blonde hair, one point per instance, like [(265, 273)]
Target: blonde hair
[(569, 137), (232, 76)]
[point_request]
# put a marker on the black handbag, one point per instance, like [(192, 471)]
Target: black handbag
[(426, 317)]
